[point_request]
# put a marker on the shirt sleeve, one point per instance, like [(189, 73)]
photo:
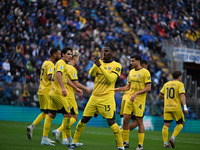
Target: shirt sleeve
[(60, 67), (181, 89), (117, 69), (50, 68), (147, 77), (73, 74), (162, 91)]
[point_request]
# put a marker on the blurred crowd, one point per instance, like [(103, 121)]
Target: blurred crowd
[(154, 20), (30, 28)]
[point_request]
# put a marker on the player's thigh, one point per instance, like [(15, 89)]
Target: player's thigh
[(128, 107), (168, 117), (91, 108), (60, 102), (73, 106), (139, 108), (106, 107), (179, 116), (52, 106)]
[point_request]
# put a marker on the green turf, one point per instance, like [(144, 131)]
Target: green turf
[(13, 137)]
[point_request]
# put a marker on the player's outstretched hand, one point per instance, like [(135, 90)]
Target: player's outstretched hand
[(79, 91), (186, 111), (133, 97), (64, 92), (88, 90), (116, 90)]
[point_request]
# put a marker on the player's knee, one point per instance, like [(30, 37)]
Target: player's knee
[(67, 115), (75, 117), (85, 119), (52, 115), (111, 122)]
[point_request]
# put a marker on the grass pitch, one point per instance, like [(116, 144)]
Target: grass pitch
[(13, 137)]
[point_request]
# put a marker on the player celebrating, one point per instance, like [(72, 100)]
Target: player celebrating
[(102, 99), (139, 84), (72, 75), (126, 97), (44, 88), (174, 94), (58, 93)]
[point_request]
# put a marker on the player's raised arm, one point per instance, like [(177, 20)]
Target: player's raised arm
[(93, 70), (110, 77)]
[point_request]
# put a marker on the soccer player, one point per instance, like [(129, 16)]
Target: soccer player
[(44, 88), (58, 93), (174, 94), (126, 97), (139, 84), (72, 75), (102, 100)]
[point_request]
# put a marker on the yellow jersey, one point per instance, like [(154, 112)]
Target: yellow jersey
[(139, 79), (45, 85), (171, 91), (60, 66), (126, 95), (101, 87), (72, 75)]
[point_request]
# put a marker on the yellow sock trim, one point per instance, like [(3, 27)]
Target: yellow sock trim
[(140, 138), (47, 125), (79, 129), (118, 136), (165, 133), (39, 118), (177, 130), (126, 135)]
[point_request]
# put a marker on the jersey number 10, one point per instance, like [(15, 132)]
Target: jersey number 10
[(170, 93)]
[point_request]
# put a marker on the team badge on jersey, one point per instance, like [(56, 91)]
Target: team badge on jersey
[(50, 70), (109, 68), (61, 67), (183, 89), (139, 75)]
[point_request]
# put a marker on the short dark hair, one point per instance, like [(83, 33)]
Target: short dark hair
[(53, 51), (112, 47), (143, 61), (137, 57), (64, 50), (176, 74)]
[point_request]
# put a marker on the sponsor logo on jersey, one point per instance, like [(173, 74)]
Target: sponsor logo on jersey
[(74, 75), (118, 69)]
